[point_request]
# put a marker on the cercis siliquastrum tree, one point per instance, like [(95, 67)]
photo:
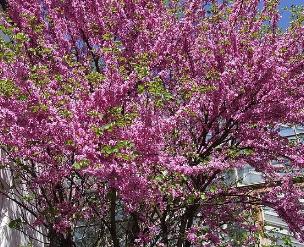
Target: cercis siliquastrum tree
[(128, 117)]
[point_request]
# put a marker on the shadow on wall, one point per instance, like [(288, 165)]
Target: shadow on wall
[(9, 237), (13, 217)]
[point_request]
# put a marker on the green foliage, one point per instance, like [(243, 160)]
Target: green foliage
[(299, 179), (141, 66), (23, 97), (69, 142), (65, 113), (191, 199), (81, 164), (107, 36), (11, 43), (39, 75), (297, 15), (235, 152), (287, 241), (213, 188), (95, 113), (7, 88), (100, 130), (278, 240), (28, 197), (122, 118), (116, 149), (50, 213), (39, 51), (141, 71), (237, 234), (119, 119), (15, 224), (157, 90), (39, 108), (95, 77), (9, 31), (21, 37), (198, 89)]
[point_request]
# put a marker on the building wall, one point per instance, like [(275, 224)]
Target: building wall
[(274, 225), (10, 212)]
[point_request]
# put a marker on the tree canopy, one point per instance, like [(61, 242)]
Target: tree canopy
[(129, 116)]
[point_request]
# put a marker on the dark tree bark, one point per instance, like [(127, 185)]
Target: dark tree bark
[(59, 240), (3, 4), (133, 229), (113, 230)]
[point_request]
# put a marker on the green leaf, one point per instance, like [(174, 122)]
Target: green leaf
[(97, 130), (39, 107), (141, 88), (95, 77), (115, 149), (107, 36), (28, 197), (157, 90), (124, 144), (213, 189), (81, 164), (15, 224), (234, 152), (23, 97), (95, 113), (69, 142), (125, 156), (108, 127), (21, 37), (108, 150), (203, 196), (7, 88), (191, 199)]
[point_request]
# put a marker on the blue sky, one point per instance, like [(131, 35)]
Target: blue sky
[(285, 14)]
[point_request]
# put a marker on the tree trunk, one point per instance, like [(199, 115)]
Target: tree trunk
[(185, 224), (132, 229), (59, 240), (113, 230)]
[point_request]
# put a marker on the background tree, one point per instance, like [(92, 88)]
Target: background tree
[(126, 118)]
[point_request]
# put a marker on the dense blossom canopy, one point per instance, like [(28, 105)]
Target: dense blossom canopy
[(132, 114)]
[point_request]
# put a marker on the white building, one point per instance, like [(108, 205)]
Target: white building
[(274, 226)]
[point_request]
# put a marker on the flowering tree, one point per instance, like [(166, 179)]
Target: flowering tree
[(122, 119)]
